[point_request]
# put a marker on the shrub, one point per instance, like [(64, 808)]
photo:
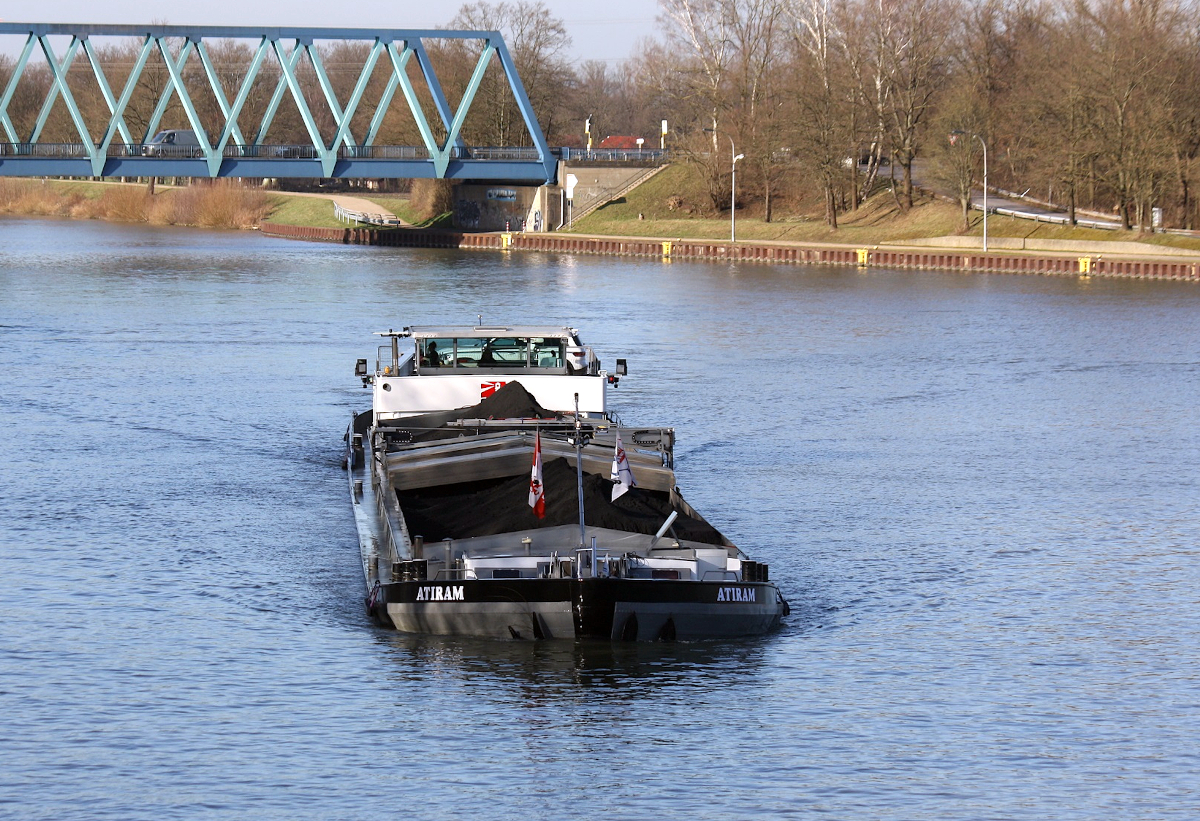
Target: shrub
[(216, 204), (430, 198), (13, 192), (127, 203)]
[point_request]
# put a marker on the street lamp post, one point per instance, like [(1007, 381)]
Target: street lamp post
[(984, 144), (732, 186), (733, 190), (985, 208)]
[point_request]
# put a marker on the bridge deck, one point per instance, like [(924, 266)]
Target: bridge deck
[(283, 61)]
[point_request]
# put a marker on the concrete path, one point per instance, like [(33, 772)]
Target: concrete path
[(356, 204), (1008, 203)]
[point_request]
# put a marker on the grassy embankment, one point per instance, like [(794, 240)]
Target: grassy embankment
[(672, 205), (878, 221), (221, 204), (317, 212), (311, 212)]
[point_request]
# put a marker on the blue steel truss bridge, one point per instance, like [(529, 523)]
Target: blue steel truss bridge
[(88, 100)]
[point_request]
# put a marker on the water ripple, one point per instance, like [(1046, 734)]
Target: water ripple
[(978, 494)]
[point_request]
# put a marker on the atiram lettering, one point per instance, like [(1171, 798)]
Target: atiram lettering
[(440, 593), (743, 594)]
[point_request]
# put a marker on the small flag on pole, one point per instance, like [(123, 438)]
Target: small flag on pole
[(621, 474), (537, 492)]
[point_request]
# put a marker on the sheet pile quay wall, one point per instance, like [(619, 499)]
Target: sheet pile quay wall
[(1023, 263)]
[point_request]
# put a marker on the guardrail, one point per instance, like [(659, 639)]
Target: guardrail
[(1054, 219), (1062, 219), (363, 218), (1013, 195)]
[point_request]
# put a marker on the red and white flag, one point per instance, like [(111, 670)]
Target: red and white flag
[(537, 493), (622, 474)]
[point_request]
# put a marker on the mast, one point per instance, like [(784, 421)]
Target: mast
[(579, 472)]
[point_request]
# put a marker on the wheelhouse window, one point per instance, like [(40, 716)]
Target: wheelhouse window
[(499, 352), (437, 353), (546, 352), (505, 352)]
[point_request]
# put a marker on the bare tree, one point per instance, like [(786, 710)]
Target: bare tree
[(1183, 124), (954, 165), (1056, 104), (699, 31), (866, 33), (598, 98), (697, 53), (825, 98), (916, 67), (1127, 82), (538, 42), (756, 29)]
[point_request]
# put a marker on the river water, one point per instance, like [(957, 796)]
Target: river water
[(979, 493)]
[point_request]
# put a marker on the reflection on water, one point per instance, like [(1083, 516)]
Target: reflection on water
[(615, 672), (977, 492)]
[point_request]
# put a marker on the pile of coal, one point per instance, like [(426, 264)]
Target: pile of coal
[(471, 509), (511, 401)]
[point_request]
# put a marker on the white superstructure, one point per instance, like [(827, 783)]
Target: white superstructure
[(426, 369)]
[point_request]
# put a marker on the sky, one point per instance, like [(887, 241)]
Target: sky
[(599, 31)]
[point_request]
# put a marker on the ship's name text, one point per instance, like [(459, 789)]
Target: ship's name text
[(446, 593), (736, 594)]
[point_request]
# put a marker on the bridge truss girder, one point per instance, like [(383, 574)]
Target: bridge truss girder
[(232, 153)]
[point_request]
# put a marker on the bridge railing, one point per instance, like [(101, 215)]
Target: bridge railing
[(265, 152), (54, 150), (642, 156), (496, 153), (308, 152)]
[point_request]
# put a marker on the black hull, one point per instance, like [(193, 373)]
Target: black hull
[(619, 609)]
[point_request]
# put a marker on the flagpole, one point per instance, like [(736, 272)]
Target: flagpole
[(622, 473), (579, 477), (537, 489)]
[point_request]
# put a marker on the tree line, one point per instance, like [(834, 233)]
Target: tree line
[(1088, 103), (1091, 104)]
